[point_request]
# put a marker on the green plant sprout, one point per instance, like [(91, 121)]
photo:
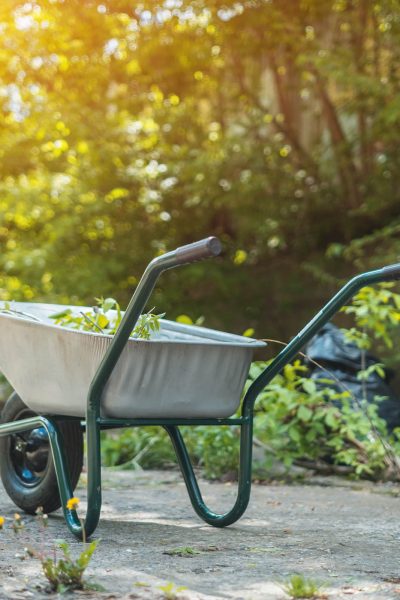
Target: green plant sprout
[(66, 574), (299, 586), (106, 317), (171, 591)]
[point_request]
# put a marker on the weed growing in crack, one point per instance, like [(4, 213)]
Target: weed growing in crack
[(299, 586), (171, 591), (63, 574)]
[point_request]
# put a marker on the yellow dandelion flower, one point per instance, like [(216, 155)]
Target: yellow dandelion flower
[(2, 520), (73, 503)]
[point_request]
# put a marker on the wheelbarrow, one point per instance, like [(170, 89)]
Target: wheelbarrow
[(67, 382)]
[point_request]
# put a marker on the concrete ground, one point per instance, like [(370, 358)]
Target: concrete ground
[(344, 535)]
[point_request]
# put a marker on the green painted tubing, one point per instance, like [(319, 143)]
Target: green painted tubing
[(244, 480), (114, 423), (325, 314), (93, 471)]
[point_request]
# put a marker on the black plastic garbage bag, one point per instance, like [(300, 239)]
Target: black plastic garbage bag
[(342, 360)]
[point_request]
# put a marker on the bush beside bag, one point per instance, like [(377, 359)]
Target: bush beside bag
[(343, 360)]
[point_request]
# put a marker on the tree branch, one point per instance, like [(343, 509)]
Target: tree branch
[(346, 166)]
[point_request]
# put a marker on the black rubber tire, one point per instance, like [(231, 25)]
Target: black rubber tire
[(43, 492)]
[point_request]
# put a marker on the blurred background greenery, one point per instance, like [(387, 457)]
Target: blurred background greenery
[(130, 128)]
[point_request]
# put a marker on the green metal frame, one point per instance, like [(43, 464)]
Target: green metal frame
[(94, 423)]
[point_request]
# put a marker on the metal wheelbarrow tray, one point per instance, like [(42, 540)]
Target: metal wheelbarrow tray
[(69, 381), (182, 371)]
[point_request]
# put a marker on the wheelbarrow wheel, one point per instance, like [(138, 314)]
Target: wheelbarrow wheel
[(26, 464)]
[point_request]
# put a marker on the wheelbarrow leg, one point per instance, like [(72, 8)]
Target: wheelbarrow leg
[(64, 483), (244, 484), (79, 527)]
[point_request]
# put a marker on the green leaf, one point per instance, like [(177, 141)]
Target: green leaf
[(294, 434), (108, 304), (102, 321), (331, 420), (63, 313), (184, 319), (309, 386), (304, 413), (249, 332)]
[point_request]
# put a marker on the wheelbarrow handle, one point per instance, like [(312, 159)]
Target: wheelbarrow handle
[(207, 248), (391, 272)]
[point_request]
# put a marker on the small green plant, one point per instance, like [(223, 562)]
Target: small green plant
[(66, 573), (17, 524), (105, 318), (185, 551), (299, 586), (171, 591)]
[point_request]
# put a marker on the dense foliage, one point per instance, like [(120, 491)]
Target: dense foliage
[(126, 129)]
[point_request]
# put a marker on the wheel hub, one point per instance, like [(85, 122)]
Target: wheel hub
[(29, 454)]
